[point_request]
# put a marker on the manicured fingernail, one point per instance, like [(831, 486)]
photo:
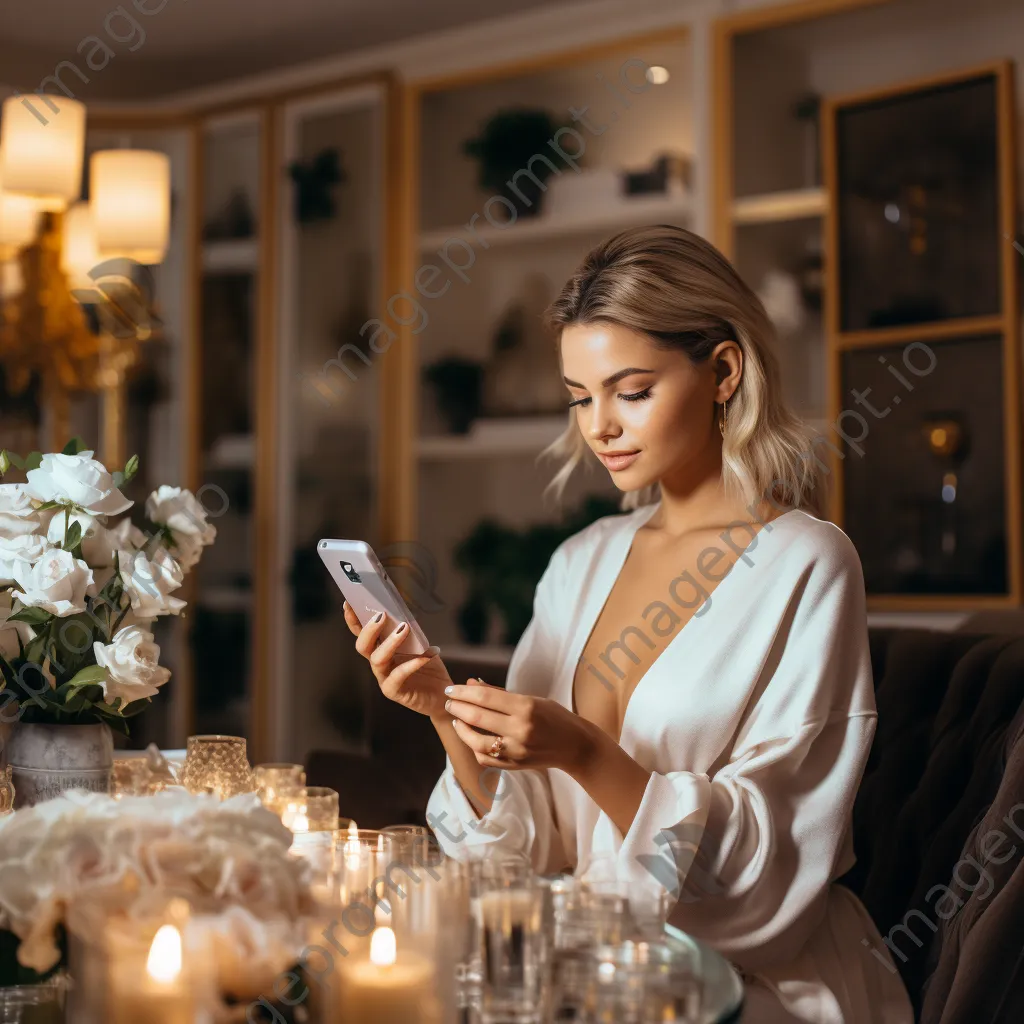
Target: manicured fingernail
[(455, 721), (448, 705), (378, 617), (449, 689), (479, 680), (433, 651), (401, 628)]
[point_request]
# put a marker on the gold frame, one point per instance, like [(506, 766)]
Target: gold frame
[(1006, 324)]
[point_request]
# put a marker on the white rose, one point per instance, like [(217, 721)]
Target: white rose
[(10, 632), (58, 583), (149, 581), (96, 546), (126, 535), (132, 661), (27, 547), (79, 479), (179, 510), (18, 516)]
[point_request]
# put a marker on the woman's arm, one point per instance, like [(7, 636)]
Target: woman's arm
[(540, 733)]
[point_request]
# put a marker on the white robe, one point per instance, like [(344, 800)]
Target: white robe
[(755, 722)]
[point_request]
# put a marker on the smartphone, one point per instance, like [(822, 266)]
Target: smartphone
[(369, 590)]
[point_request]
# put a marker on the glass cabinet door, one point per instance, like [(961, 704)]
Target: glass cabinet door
[(330, 260), (231, 237)]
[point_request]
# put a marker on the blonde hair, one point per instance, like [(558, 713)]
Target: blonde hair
[(679, 290)]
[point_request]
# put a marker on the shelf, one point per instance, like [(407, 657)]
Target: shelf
[(232, 255), (519, 435), (232, 451), (774, 207), (621, 213), (945, 621)]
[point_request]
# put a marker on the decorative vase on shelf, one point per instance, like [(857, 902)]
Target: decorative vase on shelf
[(48, 760)]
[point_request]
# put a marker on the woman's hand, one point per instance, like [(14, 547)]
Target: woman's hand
[(535, 732), (416, 682)]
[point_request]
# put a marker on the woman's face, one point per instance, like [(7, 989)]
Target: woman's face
[(647, 412)]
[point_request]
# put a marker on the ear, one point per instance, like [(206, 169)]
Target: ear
[(727, 361)]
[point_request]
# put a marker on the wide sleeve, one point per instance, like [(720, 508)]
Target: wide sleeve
[(521, 818), (747, 853)]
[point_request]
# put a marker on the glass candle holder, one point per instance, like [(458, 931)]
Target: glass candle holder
[(276, 781), (310, 809), (217, 765), (130, 777)]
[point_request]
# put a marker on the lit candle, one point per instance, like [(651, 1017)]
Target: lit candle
[(388, 988), (156, 995)]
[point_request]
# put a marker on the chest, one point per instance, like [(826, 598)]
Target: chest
[(655, 596)]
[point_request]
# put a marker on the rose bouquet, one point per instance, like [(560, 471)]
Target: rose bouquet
[(229, 860), (79, 589)]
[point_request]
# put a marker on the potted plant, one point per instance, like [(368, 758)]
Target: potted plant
[(78, 595), (508, 143)]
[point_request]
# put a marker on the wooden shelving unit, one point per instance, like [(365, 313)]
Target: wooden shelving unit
[(777, 207)]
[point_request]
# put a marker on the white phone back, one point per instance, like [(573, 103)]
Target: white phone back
[(368, 589)]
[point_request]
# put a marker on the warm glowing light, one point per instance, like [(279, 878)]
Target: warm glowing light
[(294, 817), (131, 200), (79, 253), (353, 849), (42, 142), (938, 436), (19, 218), (164, 963), (383, 948), (657, 75), (380, 843)]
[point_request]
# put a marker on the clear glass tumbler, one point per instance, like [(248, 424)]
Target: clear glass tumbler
[(510, 929)]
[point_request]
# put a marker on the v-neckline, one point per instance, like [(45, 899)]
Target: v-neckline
[(626, 541)]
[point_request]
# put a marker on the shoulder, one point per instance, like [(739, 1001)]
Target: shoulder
[(802, 543)]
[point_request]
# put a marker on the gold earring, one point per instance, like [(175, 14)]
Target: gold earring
[(723, 422)]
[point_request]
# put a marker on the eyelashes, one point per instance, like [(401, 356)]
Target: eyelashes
[(636, 396)]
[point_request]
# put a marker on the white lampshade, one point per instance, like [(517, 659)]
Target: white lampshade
[(19, 218), (130, 191), (42, 145), (79, 253)]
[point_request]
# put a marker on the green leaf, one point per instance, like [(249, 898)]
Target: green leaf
[(49, 504), (5, 462), (74, 446), (33, 460), (74, 537), (33, 616), (136, 707), (15, 460), (131, 467), (118, 477), (88, 676)]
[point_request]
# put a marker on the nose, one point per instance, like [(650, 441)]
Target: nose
[(602, 426)]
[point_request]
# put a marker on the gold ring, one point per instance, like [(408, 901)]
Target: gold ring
[(497, 750)]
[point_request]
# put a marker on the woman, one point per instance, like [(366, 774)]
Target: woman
[(692, 697)]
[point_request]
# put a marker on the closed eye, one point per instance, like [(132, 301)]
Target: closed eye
[(635, 396)]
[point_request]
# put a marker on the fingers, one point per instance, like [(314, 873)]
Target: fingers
[(352, 620), (479, 742), (493, 722), (366, 641), (393, 682), (385, 652), (484, 696)]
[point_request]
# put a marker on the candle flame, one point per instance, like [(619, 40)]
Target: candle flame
[(295, 818), (164, 963), (383, 948), (353, 832), (380, 843)]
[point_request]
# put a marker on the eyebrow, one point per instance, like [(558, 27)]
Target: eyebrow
[(613, 379)]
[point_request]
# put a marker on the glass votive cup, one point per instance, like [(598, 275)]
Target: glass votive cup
[(643, 909), (130, 776), (640, 983), (510, 932), (310, 809), (218, 765), (273, 781)]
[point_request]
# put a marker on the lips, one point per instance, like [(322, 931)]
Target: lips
[(616, 461)]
